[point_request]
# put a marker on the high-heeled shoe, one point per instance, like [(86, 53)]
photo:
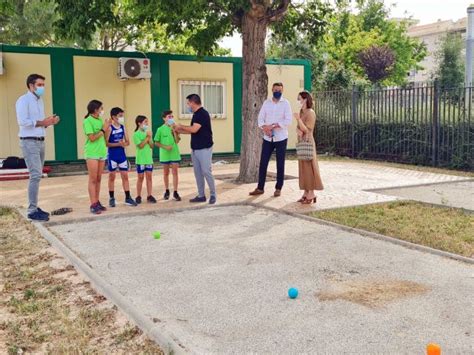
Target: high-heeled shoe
[(302, 199), (309, 201)]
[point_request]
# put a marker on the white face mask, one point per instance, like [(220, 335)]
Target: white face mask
[(302, 103), (101, 113), (121, 120)]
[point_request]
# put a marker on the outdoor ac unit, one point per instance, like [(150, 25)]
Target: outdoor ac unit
[(134, 68)]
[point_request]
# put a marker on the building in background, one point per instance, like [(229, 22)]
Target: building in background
[(431, 35)]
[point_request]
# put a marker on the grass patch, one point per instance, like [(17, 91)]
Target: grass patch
[(441, 228), (43, 311)]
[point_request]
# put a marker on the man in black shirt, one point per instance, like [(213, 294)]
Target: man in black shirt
[(201, 145)]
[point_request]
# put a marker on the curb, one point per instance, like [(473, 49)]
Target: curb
[(167, 342)]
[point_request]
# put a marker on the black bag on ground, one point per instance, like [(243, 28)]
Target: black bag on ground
[(14, 163)]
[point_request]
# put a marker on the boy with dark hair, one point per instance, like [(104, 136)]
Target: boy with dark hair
[(167, 139), (117, 140)]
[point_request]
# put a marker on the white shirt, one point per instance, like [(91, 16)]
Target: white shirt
[(29, 110), (276, 112)]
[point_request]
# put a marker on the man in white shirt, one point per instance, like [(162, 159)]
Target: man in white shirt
[(33, 123), (274, 119)]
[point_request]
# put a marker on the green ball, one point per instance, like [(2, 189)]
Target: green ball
[(157, 235)]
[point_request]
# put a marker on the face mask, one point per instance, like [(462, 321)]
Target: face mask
[(145, 127), (101, 113), (189, 109), (170, 122), (277, 95), (39, 91), (302, 103), (121, 120)]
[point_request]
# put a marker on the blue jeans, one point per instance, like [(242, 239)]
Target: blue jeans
[(267, 151), (33, 152), (202, 164)]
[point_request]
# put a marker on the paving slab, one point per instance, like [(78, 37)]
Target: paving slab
[(449, 194), (217, 281)]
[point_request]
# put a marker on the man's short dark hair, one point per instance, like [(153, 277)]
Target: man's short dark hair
[(115, 111), (277, 84), (194, 98), (31, 79)]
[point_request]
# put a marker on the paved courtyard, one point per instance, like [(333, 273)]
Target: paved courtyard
[(217, 279), (217, 282), (346, 184)]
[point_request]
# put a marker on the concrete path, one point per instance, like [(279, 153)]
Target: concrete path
[(346, 184), (450, 194), (217, 282)]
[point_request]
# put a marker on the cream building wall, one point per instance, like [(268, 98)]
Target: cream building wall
[(96, 78), (12, 86), (223, 128)]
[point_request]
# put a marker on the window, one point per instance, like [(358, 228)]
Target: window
[(212, 95)]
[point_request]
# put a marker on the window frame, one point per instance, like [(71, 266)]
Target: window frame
[(202, 84)]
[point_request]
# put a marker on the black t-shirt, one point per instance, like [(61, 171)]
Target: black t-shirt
[(202, 139)]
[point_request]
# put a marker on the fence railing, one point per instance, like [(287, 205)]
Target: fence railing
[(422, 125)]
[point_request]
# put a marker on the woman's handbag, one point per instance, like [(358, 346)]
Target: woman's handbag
[(304, 150)]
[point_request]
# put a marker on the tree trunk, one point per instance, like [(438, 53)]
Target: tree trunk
[(254, 92)]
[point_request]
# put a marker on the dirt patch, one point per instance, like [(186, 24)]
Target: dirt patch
[(372, 294), (47, 307)]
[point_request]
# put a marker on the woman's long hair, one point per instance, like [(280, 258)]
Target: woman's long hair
[(139, 120), (305, 95), (93, 106)]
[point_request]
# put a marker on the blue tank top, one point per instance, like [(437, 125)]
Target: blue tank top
[(117, 153)]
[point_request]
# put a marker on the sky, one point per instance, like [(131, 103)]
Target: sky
[(427, 11)]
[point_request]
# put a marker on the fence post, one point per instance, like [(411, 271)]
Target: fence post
[(435, 124), (353, 118)]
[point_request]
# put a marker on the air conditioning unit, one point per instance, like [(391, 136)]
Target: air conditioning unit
[(134, 68)]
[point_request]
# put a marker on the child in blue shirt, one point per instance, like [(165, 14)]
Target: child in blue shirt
[(117, 140)]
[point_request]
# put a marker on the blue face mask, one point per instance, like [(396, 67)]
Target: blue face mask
[(170, 122), (39, 91), (277, 95), (145, 127), (189, 109)]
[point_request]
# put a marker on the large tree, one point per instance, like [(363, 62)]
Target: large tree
[(207, 21), (450, 62)]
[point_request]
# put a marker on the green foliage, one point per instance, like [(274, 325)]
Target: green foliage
[(450, 64), (348, 35), (25, 22)]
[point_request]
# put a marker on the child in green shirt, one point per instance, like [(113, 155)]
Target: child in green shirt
[(144, 158), (95, 151), (167, 139)]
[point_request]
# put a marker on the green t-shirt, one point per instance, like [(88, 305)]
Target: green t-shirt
[(98, 148), (144, 155), (164, 135)]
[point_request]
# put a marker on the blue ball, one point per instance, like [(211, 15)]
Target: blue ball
[(293, 293)]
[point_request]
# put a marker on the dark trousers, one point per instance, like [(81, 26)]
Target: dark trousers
[(267, 151)]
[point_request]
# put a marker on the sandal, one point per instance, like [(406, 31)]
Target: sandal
[(308, 202), (302, 199)]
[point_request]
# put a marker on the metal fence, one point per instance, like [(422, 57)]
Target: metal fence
[(422, 125)]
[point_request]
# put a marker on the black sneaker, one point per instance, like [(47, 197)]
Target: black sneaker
[(102, 208), (176, 196), (212, 200), (95, 208), (43, 212), (38, 216), (112, 202), (138, 200), (130, 202), (151, 199), (198, 199), (166, 196)]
